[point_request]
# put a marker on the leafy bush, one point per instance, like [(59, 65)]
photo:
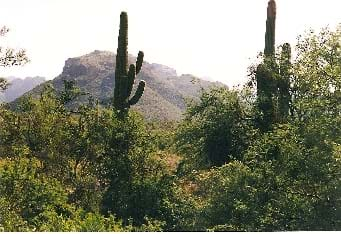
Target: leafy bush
[(29, 193), (216, 130), (282, 186)]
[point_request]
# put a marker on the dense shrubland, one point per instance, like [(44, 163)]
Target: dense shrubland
[(263, 157)]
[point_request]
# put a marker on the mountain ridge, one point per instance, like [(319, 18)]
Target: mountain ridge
[(165, 94), (18, 86)]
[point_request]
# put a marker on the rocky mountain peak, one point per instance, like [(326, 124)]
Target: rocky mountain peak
[(165, 92)]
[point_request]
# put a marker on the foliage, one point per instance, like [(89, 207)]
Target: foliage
[(9, 57), (93, 222), (105, 163), (85, 168), (182, 207), (216, 130), (131, 173), (287, 178), (36, 130), (3, 84), (31, 202), (283, 185), (27, 194), (162, 134), (317, 80)]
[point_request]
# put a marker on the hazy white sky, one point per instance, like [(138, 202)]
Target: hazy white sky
[(207, 38)]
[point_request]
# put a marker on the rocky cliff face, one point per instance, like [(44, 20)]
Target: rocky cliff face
[(165, 92)]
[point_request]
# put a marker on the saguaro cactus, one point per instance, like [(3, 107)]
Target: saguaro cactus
[(265, 74), (124, 77), (273, 77)]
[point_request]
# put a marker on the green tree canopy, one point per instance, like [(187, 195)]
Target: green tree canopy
[(215, 130)]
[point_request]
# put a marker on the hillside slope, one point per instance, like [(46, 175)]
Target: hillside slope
[(19, 86), (165, 93)]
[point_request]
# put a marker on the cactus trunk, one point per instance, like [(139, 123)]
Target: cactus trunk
[(270, 29)]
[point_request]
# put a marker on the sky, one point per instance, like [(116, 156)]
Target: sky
[(216, 39)]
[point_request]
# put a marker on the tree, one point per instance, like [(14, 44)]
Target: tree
[(283, 185), (317, 82), (10, 57), (3, 84), (216, 130), (288, 177), (30, 201), (107, 161)]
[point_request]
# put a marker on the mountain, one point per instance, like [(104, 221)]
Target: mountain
[(19, 86), (165, 93)]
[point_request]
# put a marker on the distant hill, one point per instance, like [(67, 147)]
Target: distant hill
[(19, 86), (165, 93)]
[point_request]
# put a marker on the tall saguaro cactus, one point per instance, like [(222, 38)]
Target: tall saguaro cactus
[(124, 77), (273, 78), (265, 74)]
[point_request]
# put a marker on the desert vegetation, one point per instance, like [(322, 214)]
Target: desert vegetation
[(265, 156)]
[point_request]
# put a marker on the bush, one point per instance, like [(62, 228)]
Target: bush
[(216, 130), (282, 186), (29, 193)]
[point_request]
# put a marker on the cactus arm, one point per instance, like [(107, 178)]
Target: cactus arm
[(131, 79), (139, 61), (116, 91), (284, 82), (286, 53), (138, 93)]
